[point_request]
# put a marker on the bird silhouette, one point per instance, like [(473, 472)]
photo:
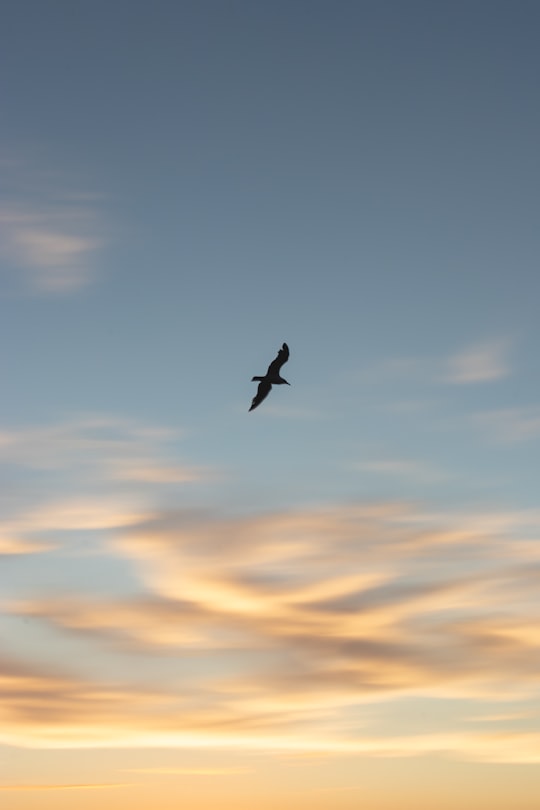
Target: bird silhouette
[(272, 377)]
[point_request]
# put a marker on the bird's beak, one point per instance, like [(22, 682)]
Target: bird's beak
[(287, 382)]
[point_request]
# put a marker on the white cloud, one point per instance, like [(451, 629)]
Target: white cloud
[(111, 448), (80, 513), (107, 469), (50, 235), (482, 362), (60, 262)]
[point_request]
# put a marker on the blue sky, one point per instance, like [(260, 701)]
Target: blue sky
[(184, 186)]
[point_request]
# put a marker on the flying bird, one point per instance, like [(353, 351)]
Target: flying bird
[(272, 377)]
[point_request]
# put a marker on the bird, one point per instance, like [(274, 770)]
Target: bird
[(272, 377)]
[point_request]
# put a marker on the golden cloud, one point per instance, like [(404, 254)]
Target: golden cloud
[(288, 621), (280, 627)]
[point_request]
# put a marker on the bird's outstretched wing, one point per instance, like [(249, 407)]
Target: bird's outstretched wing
[(282, 357), (262, 392)]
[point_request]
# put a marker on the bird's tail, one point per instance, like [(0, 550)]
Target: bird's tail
[(257, 379)]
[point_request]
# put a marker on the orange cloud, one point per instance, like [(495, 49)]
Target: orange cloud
[(114, 462), (272, 630), (18, 545)]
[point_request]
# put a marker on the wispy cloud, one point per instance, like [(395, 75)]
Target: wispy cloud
[(107, 469), (107, 447), (288, 622), (401, 468), (482, 362), (49, 233), (511, 425), (16, 545)]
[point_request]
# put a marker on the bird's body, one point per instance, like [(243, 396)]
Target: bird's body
[(272, 377)]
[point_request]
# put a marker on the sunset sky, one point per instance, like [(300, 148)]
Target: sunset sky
[(332, 601)]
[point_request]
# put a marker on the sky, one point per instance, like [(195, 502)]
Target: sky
[(331, 601)]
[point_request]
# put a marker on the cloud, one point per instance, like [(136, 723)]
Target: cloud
[(79, 514), (102, 446), (17, 545), (286, 624), (483, 362), (42, 711), (511, 425), (108, 471), (401, 468), (52, 234), (144, 622), (29, 531), (283, 630)]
